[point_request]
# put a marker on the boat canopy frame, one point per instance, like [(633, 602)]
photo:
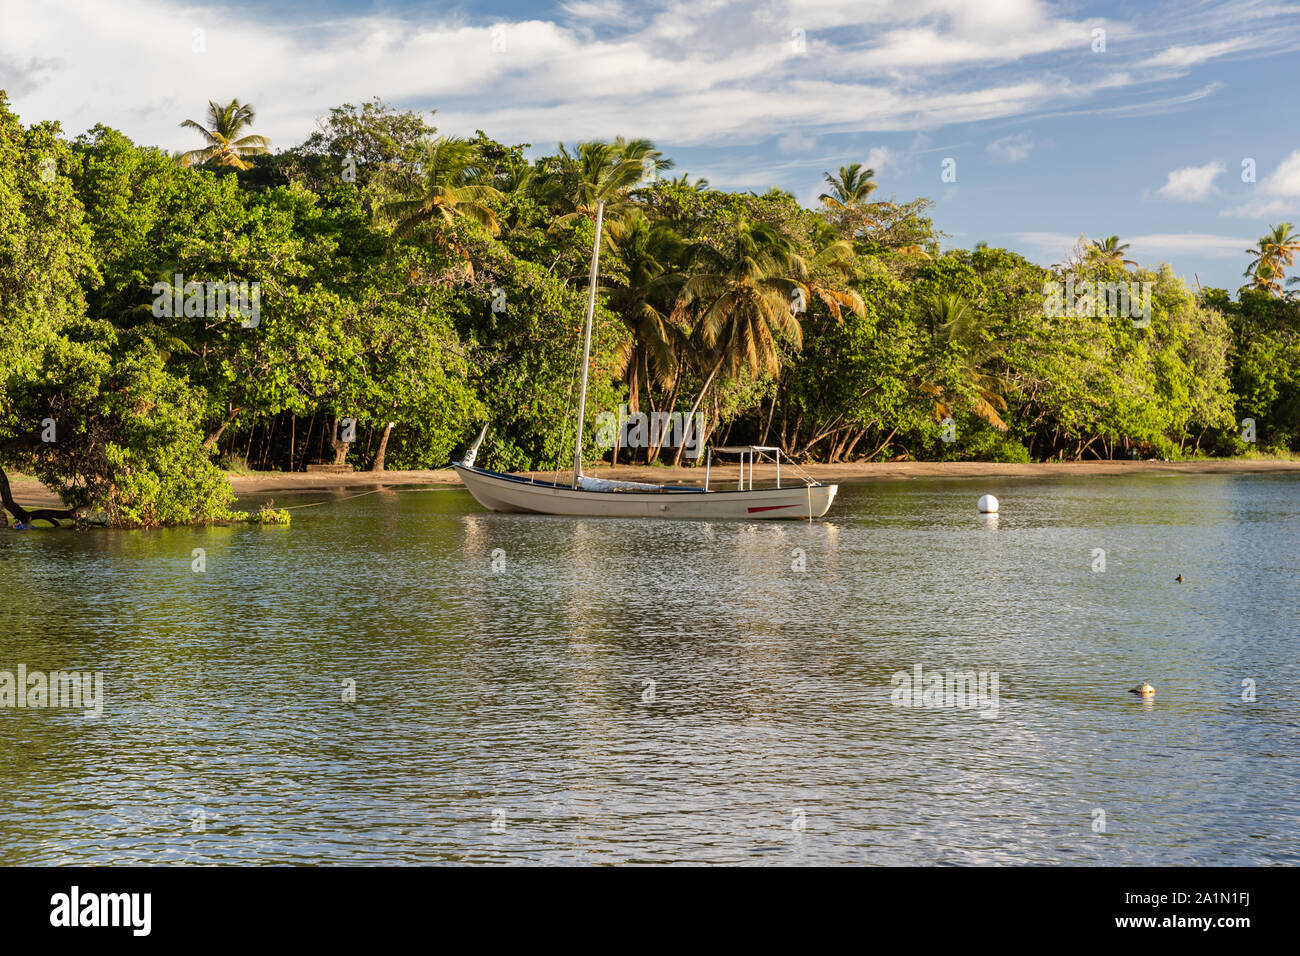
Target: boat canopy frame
[(753, 454)]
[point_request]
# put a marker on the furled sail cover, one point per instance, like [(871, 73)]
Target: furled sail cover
[(604, 484)]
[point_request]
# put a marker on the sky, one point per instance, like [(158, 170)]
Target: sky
[(1172, 125)]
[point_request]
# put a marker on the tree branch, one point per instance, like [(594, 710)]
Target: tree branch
[(25, 516)]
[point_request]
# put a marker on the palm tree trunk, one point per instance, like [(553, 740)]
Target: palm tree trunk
[(652, 454), (634, 384), (771, 409), (633, 396), (717, 367)]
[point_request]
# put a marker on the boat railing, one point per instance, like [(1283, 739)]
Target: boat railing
[(751, 455)]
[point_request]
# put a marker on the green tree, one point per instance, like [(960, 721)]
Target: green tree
[(94, 414)]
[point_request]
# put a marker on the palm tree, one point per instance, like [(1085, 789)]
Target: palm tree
[(1264, 276), (449, 188), (1275, 251), (836, 258), (514, 180), (1109, 252), (701, 185), (1281, 243), (955, 332), (644, 300), (597, 171), (743, 302), (850, 189), (224, 144), (744, 299)]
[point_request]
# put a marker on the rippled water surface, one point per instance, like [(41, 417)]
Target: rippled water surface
[(508, 715)]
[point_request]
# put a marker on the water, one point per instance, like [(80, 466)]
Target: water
[(505, 715)]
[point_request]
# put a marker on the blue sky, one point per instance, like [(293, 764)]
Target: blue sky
[(1052, 136)]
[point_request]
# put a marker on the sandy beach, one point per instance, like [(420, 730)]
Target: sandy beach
[(29, 492)]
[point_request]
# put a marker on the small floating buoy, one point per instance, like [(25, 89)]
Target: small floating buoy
[(1180, 579), (988, 505), (1144, 690)]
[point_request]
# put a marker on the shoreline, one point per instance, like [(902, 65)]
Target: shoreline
[(31, 493)]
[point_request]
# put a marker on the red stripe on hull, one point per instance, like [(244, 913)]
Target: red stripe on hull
[(768, 508)]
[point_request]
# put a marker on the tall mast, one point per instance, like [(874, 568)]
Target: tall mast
[(586, 342)]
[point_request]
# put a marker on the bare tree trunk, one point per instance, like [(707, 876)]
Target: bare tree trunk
[(848, 452), (270, 434), (306, 442), (881, 446), (378, 464), (215, 437), (340, 447)]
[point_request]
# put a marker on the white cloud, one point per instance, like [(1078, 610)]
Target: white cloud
[(599, 11), (1284, 181), (1146, 249), (1181, 57), (1147, 108), (1206, 244), (1046, 246), (796, 142), (1191, 183), (880, 159), (1277, 194), (684, 72), (1010, 149)]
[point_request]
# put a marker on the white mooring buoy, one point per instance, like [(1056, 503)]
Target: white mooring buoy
[(988, 505)]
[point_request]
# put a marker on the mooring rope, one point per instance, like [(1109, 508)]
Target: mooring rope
[(373, 491)]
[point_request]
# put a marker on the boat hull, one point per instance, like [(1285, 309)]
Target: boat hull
[(498, 492)]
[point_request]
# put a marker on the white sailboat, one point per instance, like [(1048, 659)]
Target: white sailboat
[(598, 497)]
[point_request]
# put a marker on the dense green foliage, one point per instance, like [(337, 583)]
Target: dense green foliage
[(421, 287)]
